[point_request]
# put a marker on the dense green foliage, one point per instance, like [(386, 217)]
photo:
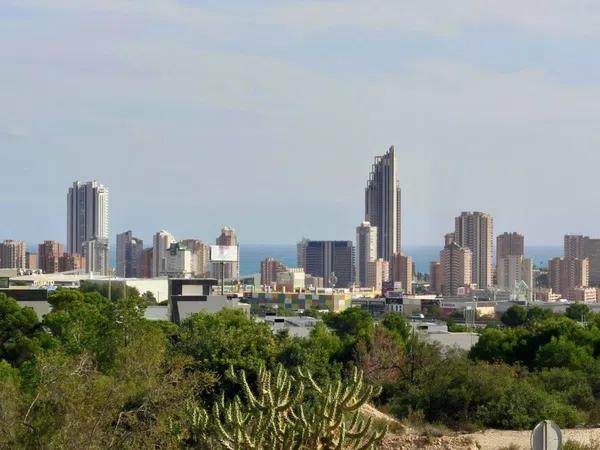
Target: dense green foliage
[(95, 374)]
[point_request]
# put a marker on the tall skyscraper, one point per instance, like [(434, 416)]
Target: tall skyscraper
[(49, 253), (566, 274), (147, 259), (231, 270), (161, 243), (436, 277), (269, 268), (382, 204), (12, 255), (511, 270), (87, 214), (456, 263), (326, 257), (474, 230), (31, 260), (580, 247), (402, 272), (129, 255), (200, 257), (574, 246), (378, 271), (301, 252), (509, 244), (366, 251)]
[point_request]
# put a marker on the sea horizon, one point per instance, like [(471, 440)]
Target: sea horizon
[(252, 254)]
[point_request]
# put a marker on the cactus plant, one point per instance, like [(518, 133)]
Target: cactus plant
[(275, 417)]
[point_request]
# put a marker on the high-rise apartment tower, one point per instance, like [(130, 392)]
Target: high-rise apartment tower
[(129, 255), (474, 230), (366, 251), (87, 214), (382, 204)]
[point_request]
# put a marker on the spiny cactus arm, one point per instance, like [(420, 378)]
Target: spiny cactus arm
[(250, 442), (258, 427), (267, 379), (240, 417), (288, 439), (229, 414), (281, 376), (231, 374), (337, 392), (222, 434), (288, 401), (360, 429), (307, 376), (355, 387), (341, 438), (374, 440), (240, 439), (303, 417), (356, 375), (377, 390), (267, 393), (355, 403), (224, 443), (250, 397), (334, 421), (355, 420)]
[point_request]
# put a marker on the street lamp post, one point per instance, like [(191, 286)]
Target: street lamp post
[(110, 274)]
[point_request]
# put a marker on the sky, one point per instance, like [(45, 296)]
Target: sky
[(266, 115)]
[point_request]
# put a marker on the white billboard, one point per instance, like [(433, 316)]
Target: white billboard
[(224, 253)]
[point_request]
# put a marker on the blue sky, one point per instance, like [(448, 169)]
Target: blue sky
[(266, 115)]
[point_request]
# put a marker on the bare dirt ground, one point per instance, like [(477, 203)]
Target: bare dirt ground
[(496, 439), (403, 438), (485, 440)]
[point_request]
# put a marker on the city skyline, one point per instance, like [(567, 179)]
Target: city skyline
[(298, 115)]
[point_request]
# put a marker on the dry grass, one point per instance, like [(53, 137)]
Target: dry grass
[(575, 445), (512, 447)]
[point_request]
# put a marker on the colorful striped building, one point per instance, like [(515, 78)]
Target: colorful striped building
[(335, 302)]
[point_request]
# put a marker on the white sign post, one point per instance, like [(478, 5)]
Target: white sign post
[(546, 436), (223, 254)]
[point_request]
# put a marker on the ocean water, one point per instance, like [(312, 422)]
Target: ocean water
[(252, 254)]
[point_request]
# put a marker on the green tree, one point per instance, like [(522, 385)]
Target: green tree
[(319, 353), (227, 339), (397, 324), (83, 322), (514, 316), (149, 298), (352, 323), (572, 386), (537, 314), (117, 289), (21, 334), (578, 311), (12, 406), (562, 352)]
